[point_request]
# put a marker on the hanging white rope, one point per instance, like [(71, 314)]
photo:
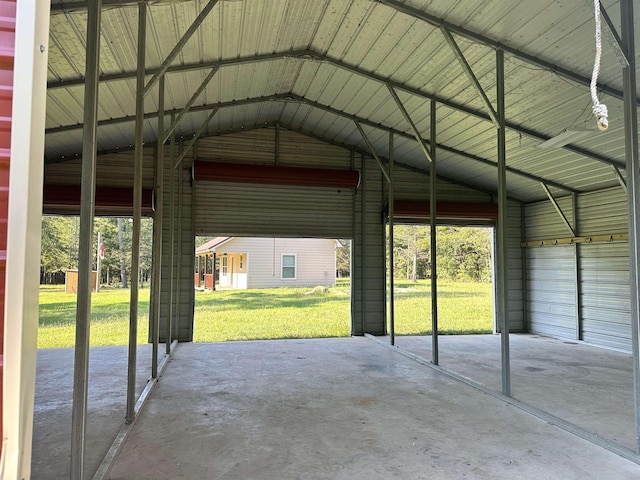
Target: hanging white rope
[(599, 109)]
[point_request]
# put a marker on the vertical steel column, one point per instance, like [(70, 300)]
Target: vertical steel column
[(172, 228), (433, 216), (633, 192), (85, 248), (179, 266), (363, 236), (392, 320), (137, 207), (576, 262), (502, 227), (352, 295), (156, 261)]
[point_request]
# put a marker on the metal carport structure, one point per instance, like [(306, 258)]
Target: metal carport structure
[(138, 91)]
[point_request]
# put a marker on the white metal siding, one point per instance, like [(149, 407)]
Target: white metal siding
[(183, 284), (238, 209), (315, 260), (515, 296), (414, 185), (369, 253), (605, 303), (551, 297), (603, 272)]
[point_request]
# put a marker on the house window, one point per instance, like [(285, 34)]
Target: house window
[(241, 263), (224, 266), (288, 266)]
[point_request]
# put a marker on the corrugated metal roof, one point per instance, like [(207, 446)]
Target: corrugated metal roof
[(317, 66)]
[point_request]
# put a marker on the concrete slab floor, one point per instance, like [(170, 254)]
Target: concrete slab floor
[(588, 386), (106, 406), (340, 409)]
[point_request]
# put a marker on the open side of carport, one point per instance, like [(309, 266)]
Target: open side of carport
[(327, 93)]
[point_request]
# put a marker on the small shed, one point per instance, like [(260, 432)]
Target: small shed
[(259, 262), (71, 281)]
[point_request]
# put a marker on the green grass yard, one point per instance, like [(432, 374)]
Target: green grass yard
[(268, 313)]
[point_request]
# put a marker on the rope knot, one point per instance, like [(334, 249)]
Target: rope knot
[(601, 113)]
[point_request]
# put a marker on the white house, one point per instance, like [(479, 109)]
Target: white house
[(259, 262)]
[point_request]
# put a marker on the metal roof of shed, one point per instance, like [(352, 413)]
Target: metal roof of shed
[(315, 67)]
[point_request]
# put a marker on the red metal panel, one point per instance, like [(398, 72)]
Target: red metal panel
[(65, 199), (419, 210), (7, 49), (275, 175)]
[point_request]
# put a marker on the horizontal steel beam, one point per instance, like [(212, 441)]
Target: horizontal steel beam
[(310, 55), (479, 38), (69, 7), (290, 97)]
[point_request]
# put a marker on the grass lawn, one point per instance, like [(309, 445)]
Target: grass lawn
[(109, 317), (268, 313)]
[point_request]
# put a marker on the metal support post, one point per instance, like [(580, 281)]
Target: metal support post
[(156, 261), (363, 236), (98, 262), (177, 318), (352, 292), (633, 192), (172, 228), (502, 228), (576, 274), (392, 325), (433, 217), (277, 149), (137, 208), (85, 248)]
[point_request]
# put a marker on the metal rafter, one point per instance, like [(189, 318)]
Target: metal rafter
[(180, 45), (555, 204), (373, 151), (620, 178), (289, 97), (469, 72), (421, 141), (187, 107), (200, 131), (477, 37), (310, 55)]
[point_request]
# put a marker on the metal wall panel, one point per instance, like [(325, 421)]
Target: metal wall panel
[(368, 253), (603, 293), (604, 304), (551, 305), (603, 212), (413, 185), (239, 209), (184, 295), (543, 222), (515, 276)]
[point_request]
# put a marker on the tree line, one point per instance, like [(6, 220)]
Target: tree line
[(463, 253), (59, 250)]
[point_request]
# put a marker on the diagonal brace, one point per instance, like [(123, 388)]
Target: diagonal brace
[(614, 38), (195, 137), (180, 45), (373, 152), (414, 128), (558, 209), (621, 179), (188, 105), (469, 72)]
